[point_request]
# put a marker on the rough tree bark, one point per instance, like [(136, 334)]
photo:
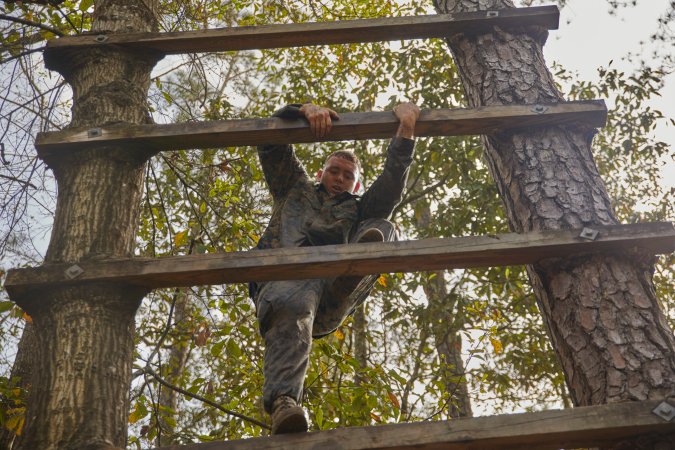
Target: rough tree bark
[(601, 311), (81, 378)]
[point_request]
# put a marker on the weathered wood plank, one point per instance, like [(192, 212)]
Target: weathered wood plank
[(571, 428), (354, 259), (315, 33), (351, 126)]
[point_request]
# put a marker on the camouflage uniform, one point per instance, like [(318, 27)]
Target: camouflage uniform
[(291, 312)]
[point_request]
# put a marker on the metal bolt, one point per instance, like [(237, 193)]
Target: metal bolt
[(589, 233), (101, 38), (539, 109), (665, 410), (94, 132), (491, 14), (74, 271)]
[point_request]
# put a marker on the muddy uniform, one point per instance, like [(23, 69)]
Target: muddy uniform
[(291, 312)]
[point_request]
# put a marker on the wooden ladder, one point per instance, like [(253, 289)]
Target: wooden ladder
[(551, 429)]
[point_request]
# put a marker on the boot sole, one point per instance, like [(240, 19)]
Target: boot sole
[(292, 422)]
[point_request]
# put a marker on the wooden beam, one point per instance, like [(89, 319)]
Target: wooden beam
[(315, 33), (571, 428), (354, 259), (351, 126)]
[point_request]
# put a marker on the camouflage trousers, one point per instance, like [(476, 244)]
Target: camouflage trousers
[(291, 313)]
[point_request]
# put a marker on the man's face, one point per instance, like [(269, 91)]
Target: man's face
[(338, 175)]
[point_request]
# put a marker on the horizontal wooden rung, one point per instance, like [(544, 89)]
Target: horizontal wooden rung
[(305, 34), (351, 126), (353, 259), (588, 426)]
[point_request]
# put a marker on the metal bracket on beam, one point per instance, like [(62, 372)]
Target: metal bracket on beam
[(665, 410), (492, 14), (539, 109), (101, 38), (74, 271), (94, 132), (589, 233)]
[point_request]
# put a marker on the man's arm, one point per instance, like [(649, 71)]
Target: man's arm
[(387, 191), (282, 169)]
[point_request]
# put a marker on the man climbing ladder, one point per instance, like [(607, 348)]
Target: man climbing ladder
[(325, 212)]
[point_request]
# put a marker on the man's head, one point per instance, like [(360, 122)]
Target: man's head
[(340, 173)]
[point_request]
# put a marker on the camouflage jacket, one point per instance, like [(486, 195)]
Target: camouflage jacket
[(303, 214)]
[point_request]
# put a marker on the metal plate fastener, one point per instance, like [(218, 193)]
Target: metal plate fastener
[(491, 14), (539, 109), (101, 38), (665, 410), (589, 233), (74, 271), (94, 132)]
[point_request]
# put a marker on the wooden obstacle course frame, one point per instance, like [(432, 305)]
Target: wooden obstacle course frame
[(350, 259), (351, 126), (309, 34)]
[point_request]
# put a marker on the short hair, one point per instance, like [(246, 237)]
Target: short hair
[(348, 155)]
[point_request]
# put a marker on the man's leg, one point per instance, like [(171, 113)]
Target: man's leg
[(286, 311), (341, 295)]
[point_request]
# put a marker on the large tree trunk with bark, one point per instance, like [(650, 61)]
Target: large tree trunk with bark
[(601, 311), (80, 389)]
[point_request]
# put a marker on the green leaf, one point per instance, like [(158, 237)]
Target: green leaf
[(85, 5)]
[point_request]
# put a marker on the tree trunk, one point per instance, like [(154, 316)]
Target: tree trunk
[(440, 314), (360, 341), (601, 311), (20, 375), (175, 366), (81, 378), (360, 337)]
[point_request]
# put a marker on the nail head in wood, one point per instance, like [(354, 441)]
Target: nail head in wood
[(491, 14), (589, 233), (101, 38), (74, 271), (665, 410)]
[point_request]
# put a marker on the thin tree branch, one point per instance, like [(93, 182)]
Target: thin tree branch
[(22, 54), (25, 183), (31, 24), (152, 373), (422, 193)]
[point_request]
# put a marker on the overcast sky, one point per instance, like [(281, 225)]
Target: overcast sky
[(589, 37)]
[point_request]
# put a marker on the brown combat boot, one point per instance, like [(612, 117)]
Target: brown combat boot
[(344, 286), (287, 416), (371, 235)]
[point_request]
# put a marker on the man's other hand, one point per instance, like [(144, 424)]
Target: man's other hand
[(407, 114), (320, 118)]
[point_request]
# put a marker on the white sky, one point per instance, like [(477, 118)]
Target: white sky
[(589, 37)]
